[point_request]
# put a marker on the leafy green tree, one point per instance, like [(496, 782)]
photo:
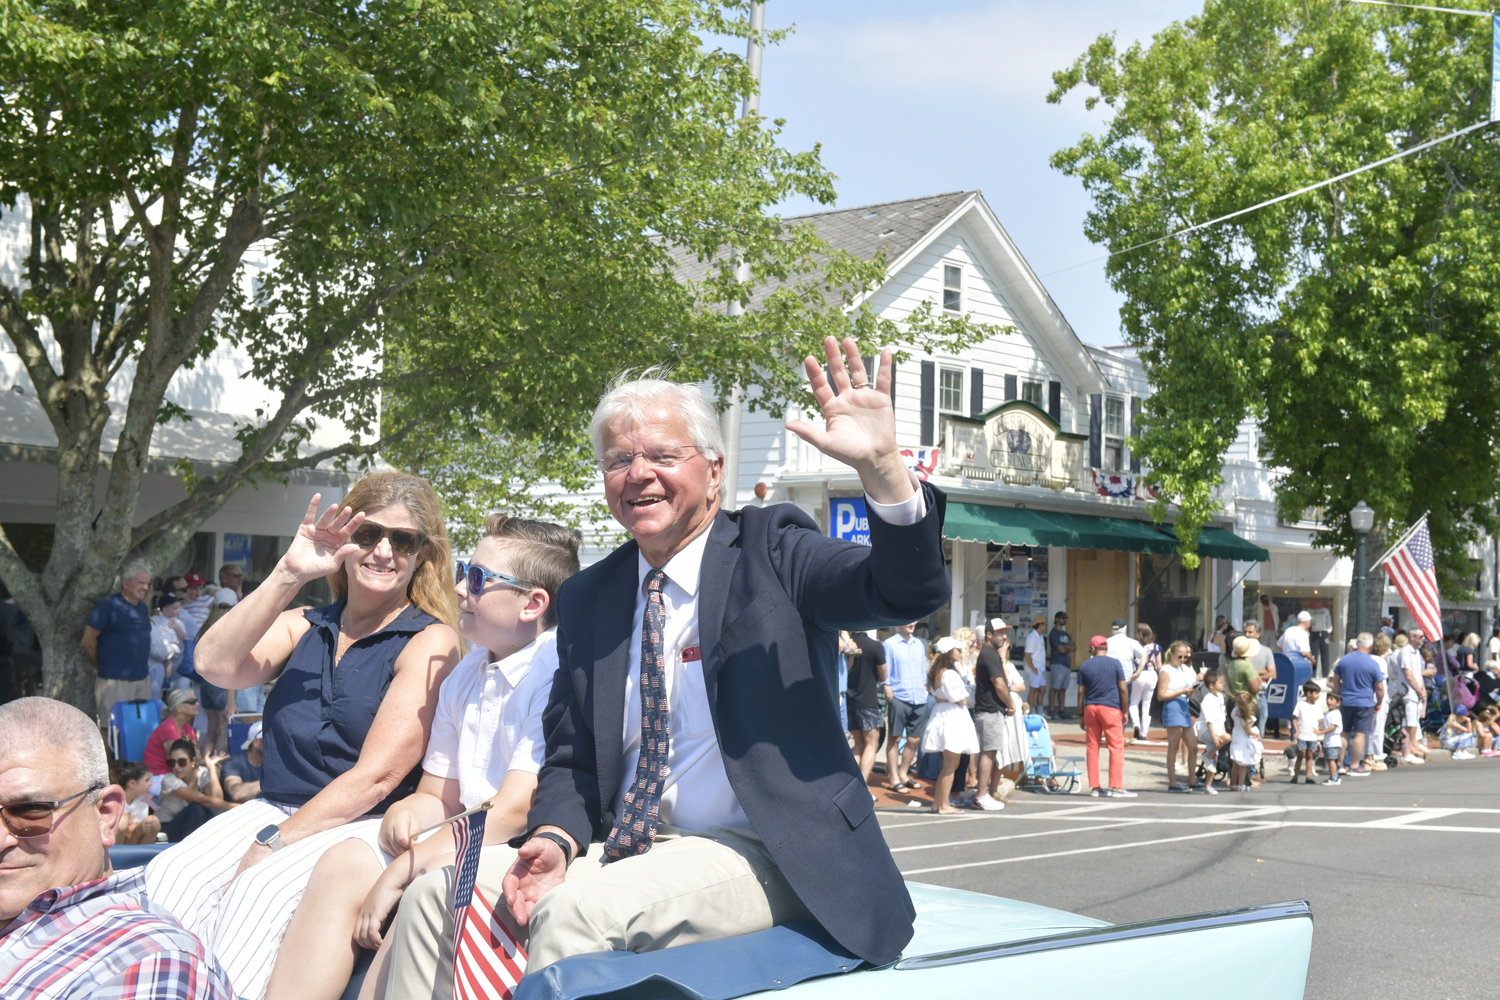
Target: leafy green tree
[(1357, 324), (470, 212)]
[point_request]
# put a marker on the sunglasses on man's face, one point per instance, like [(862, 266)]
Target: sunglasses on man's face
[(478, 576), (404, 541), (26, 820)]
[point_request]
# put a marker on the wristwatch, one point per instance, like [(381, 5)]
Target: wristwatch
[(560, 841), (270, 837)]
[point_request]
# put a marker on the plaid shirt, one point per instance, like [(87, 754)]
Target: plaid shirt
[(102, 940)]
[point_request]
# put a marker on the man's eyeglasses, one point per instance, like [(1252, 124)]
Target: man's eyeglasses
[(660, 458), (180, 761), (25, 820), (404, 541), (478, 576)]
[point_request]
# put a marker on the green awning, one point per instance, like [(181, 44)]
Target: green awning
[(972, 522), (1221, 543)]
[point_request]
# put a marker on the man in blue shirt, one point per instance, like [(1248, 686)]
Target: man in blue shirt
[(906, 695), (117, 641), (1103, 698), (1359, 679), (1059, 666)]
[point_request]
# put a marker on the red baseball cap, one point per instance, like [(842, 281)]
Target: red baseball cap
[(1098, 642), (193, 580)]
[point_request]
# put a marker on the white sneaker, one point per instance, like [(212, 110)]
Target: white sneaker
[(1411, 759), (988, 803), (1462, 755), (1120, 793)]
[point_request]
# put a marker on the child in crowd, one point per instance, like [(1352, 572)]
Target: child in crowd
[(1307, 717), (1459, 734), (137, 824), (486, 746), (1487, 724), (1332, 731), (1213, 727), (1245, 749)]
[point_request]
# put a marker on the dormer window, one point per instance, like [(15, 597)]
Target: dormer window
[(953, 288)]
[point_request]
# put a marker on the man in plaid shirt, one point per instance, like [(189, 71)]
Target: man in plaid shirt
[(97, 936)]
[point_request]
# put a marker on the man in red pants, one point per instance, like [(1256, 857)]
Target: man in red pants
[(1104, 696)]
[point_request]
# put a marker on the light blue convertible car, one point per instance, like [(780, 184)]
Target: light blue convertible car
[(967, 946)]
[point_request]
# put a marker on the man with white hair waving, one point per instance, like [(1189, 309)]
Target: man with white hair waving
[(69, 927), (693, 726)]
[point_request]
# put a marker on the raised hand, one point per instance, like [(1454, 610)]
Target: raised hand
[(321, 543), (860, 422)]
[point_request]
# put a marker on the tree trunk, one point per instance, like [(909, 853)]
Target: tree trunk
[(67, 674)]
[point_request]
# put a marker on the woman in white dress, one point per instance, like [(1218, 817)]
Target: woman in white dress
[(1014, 754), (950, 730)]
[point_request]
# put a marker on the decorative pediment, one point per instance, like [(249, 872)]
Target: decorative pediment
[(1016, 442)]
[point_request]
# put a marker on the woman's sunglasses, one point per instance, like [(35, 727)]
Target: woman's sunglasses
[(404, 541), (25, 820), (180, 761), (478, 576)]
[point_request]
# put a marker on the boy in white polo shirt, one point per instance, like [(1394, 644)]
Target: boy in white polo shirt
[(486, 745)]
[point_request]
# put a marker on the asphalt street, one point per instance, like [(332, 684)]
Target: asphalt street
[(1399, 867)]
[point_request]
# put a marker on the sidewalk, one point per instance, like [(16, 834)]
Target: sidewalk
[(1145, 767)]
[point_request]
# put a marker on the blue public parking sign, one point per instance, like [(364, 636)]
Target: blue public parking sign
[(848, 520)]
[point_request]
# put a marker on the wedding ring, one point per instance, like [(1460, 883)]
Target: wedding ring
[(860, 385)]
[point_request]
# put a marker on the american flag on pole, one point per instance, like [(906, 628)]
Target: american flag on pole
[(1410, 567), (488, 961)]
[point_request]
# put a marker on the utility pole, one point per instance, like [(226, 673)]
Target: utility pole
[(729, 421)]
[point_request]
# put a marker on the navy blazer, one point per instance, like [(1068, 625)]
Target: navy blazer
[(773, 593)]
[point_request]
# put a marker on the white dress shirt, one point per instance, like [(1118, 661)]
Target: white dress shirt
[(489, 718), (696, 795)]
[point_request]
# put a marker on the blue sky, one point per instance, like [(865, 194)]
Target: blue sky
[(910, 99)]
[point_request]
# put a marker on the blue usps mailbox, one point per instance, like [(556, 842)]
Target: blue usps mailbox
[(848, 520), (1291, 673)]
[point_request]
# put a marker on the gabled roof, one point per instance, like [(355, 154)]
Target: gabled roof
[(864, 231)]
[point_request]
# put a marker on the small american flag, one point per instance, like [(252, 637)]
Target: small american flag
[(1410, 567), (488, 961)]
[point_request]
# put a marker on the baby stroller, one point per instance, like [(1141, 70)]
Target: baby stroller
[(1047, 773)]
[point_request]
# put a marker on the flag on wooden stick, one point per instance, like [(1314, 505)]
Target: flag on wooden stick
[(1411, 568), (488, 961)]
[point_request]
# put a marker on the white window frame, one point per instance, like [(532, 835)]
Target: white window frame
[(944, 372), (1036, 389), (1114, 443), (956, 289)]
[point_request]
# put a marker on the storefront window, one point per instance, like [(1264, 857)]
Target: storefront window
[(1016, 588), (1172, 598)]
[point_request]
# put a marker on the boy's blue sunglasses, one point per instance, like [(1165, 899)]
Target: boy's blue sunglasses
[(479, 576)]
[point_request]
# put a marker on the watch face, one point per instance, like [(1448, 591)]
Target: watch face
[(265, 835)]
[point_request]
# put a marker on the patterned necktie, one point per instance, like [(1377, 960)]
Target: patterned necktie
[(640, 808)]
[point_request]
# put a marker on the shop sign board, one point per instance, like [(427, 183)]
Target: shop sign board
[(1017, 443), (848, 520)]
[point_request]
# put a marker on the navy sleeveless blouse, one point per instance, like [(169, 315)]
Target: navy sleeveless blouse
[(318, 714)]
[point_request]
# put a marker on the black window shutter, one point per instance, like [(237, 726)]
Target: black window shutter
[(1135, 426), (976, 391), (929, 403), (1010, 388), (1096, 430), (1054, 401), (893, 382)]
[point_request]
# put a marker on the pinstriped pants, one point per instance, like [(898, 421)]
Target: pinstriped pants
[(242, 922)]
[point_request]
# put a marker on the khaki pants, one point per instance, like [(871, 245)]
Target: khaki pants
[(108, 691), (689, 887), (419, 963)]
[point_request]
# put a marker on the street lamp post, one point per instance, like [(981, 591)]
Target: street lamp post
[(1361, 519)]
